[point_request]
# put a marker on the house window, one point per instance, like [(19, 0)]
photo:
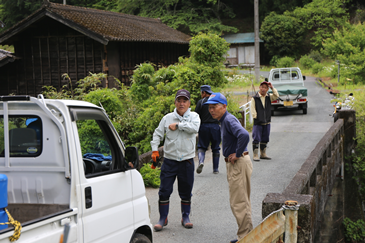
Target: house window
[(232, 53)]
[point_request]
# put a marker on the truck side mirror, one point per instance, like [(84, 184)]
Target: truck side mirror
[(131, 155), (303, 77), (266, 80)]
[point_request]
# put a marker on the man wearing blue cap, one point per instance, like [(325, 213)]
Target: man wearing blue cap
[(209, 131), (235, 139)]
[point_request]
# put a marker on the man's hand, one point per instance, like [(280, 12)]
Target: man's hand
[(270, 85), (232, 158), (173, 126), (155, 156)]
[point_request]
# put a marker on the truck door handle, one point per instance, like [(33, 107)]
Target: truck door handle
[(88, 197)]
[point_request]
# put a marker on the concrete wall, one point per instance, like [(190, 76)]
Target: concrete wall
[(313, 183)]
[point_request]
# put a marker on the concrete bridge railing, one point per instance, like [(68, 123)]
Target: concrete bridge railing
[(313, 183)]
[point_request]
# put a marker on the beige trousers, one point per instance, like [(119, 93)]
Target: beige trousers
[(239, 181)]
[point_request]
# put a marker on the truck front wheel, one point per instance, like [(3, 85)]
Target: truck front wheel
[(139, 238)]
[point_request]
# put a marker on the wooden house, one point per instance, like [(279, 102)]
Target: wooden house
[(241, 50), (58, 39)]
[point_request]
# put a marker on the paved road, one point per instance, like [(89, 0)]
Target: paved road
[(293, 137)]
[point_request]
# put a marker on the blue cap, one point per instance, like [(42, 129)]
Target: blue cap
[(206, 88), (216, 98)]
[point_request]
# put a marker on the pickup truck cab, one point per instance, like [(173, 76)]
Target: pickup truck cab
[(66, 165), (290, 85)]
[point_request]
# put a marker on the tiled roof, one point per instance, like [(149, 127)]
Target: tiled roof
[(240, 38), (111, 26)]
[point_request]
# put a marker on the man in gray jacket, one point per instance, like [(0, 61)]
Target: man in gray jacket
[(180, 127)]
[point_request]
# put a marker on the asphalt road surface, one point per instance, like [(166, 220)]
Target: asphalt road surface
[(293, 137)]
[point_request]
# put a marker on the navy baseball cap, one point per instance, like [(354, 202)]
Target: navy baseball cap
[(216, 98), (206, 88), (182, 93)]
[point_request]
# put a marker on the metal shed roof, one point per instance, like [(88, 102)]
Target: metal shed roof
[(240, 38)]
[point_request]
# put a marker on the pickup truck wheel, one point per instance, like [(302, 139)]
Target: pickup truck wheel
[(139, 238), (305, 111), (272, 112)]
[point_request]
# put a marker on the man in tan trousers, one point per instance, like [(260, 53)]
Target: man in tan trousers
[(238, 163)]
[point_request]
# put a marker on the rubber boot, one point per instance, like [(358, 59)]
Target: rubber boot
[(255, 148), (263, 151), (216, 162), (185, 210), (201, 156), (163, 207)]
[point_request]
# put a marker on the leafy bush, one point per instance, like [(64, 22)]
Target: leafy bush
[(285, 62), (354, 231), (274, 60), (320, 18), (334, 71), (316, 68), (306, 61), (151, 177), (282, 34), (315, 55), (141, 81), (348, 47)]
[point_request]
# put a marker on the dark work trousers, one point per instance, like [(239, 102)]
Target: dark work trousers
[(209, 133), (260, 133), (184, 171)]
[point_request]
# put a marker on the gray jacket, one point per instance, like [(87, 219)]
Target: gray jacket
[(179, 144)]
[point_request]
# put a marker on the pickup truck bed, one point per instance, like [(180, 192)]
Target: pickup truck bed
[(291, 90)]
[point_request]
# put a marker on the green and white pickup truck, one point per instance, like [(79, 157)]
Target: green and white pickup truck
[(290, 85)]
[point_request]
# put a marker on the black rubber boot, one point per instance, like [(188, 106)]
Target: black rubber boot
[(185, 210), (216, 163), (201, 156), (163, 207)]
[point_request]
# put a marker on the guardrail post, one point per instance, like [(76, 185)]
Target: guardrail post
[(291, 221)]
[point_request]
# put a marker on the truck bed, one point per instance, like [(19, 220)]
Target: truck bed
[(29, 213)]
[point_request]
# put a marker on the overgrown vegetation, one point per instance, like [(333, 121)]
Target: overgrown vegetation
[(151, 177), (354, 231)]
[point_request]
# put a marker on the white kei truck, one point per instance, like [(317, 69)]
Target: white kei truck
[(67, 166)]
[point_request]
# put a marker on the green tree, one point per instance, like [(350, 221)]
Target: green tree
[(282, 35), (348, 46), (186, 15), (279, 6), (320, 18)]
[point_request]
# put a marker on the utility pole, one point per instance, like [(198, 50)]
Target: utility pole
[(257, 42)]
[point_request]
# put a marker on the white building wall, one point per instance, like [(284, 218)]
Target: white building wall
[(241, 54)]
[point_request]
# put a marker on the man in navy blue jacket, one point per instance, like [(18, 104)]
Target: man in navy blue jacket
[(209, 131), (235, 139)]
